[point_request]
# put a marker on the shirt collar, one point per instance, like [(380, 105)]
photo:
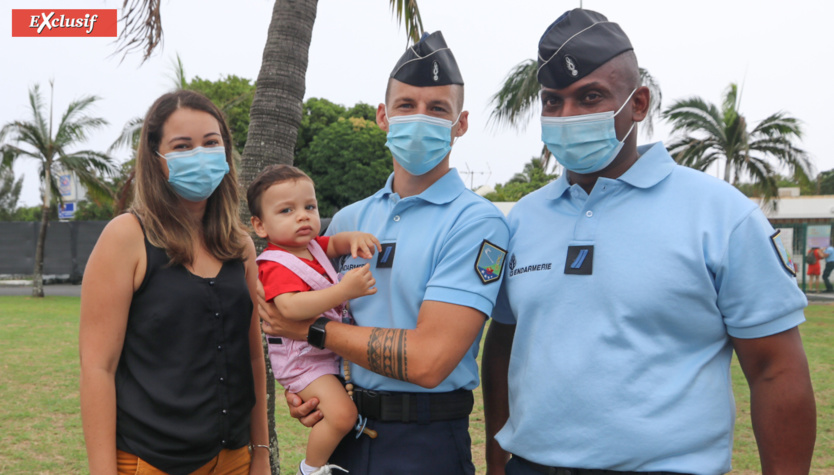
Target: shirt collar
[(444, 190), (651, 168)]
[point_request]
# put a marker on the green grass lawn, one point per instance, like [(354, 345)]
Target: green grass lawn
[(41, 419)]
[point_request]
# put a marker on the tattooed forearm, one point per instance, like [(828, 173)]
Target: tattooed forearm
[(386, 353)]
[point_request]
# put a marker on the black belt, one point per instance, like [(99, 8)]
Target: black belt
[(388, 406), (583, 471)]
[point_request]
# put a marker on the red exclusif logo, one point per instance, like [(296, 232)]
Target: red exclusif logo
[(64, 23)]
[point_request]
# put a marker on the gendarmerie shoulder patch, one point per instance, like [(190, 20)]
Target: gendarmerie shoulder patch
[(490, 262), (787, 262)]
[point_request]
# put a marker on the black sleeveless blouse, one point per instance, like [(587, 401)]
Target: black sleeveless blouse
[(184, 384)]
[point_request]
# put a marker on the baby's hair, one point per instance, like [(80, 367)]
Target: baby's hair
[(271, 175)]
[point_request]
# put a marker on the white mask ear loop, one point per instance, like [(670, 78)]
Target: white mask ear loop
[(455, 139), (626, 101), (621, 108)]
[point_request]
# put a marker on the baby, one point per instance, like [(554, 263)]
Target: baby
[(298, 278)]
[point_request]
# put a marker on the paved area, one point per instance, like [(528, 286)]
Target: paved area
[(15, 287)]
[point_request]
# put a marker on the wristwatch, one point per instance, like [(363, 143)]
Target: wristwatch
[(316, 333)]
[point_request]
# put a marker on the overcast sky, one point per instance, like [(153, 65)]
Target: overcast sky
[(779, 51)]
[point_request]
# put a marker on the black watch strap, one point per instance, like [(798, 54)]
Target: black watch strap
[(316, 333)]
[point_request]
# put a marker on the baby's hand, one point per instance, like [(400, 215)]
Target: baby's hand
[(363, 245), (359, 282)]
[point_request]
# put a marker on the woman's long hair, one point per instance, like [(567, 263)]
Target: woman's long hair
[(155, 203)]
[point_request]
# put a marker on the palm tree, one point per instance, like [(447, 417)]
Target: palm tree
[(711, 135), (518, 100), (52, 151), (533, 173), (9, 192)]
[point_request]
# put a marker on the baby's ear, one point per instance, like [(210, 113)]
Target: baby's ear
[(258, 226)]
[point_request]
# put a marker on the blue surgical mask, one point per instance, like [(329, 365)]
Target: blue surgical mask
[(195, 174), (584, 143), (419, 142)]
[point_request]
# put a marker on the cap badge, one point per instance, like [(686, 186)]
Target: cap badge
[(435, 71), (571, 66)]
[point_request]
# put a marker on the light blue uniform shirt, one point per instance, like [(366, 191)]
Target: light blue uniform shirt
[(628, 368), (830, 251), (438, 236)]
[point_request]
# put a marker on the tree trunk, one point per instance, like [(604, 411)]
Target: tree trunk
[(274, 119), (37, 277), (277, 107)]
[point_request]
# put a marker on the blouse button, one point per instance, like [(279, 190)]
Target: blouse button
[(224, 412), (589, 213), (219, 347), (217, 314), (222, 379), (397, 218), (211, 282)]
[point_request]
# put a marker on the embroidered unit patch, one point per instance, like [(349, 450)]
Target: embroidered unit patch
[(783, 254), (490, 262)]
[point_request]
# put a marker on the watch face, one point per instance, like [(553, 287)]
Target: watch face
[(316, 333)]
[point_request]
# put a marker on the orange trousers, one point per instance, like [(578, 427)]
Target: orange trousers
[(227, 462)]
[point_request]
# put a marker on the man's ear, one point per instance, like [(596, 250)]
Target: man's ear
[(258, 226), (382, 117), (640, 100), (463, 124)]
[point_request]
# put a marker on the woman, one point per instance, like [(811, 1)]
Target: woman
[(172, 369), (814, 270)]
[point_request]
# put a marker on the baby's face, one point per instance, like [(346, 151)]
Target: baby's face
[(290, 214)]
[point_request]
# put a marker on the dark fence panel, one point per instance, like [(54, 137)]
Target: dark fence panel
[(57, 256), (17, 247), (68, 246)]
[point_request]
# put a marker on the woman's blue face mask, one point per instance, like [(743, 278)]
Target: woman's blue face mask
[(584, 143), (195, 174), (419, 142)]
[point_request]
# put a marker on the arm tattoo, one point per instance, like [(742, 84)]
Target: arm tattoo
[(387, 353)]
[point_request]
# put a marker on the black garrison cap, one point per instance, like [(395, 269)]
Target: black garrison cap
[(428, 63), (576, 44)]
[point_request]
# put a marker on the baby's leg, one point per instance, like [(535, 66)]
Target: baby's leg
[(339, 418)]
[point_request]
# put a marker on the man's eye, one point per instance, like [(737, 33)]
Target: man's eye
[(549, 101)]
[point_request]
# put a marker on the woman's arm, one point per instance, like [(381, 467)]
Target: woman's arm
[(258, 432), (115, 269)]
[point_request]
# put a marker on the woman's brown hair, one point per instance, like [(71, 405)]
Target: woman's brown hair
[(157, 205)]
